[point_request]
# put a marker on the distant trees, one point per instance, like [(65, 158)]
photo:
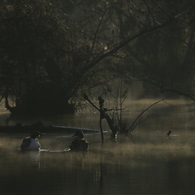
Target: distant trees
[(33, 39), (51, 51), (164, 57)]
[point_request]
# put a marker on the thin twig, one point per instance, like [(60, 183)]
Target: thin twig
[(136, 121)]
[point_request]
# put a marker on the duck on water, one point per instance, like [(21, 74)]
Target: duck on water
[(31, 143), (79, 143)]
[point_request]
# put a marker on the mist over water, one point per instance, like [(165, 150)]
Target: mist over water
[(148, 162)]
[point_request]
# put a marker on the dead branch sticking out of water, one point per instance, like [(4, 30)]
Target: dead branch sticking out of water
[(103, 114), (115, 128), (138, 120)]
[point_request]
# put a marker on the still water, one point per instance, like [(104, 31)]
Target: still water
[(146, 163)]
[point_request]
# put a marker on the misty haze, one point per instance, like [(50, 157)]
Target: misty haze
[(97, 97)]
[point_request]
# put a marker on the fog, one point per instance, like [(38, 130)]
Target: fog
[(147, 162)]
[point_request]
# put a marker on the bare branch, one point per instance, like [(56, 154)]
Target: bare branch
[(138, 118), (109, 52), (162, 9), (152, 15), (95, 35), (103, 115), (165, 89)]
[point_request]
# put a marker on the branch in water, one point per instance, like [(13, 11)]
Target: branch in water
[(138, 118), (103, 114)]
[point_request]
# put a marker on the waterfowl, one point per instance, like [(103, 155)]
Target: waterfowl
[(31, 143), (169, 133), (79, 143)]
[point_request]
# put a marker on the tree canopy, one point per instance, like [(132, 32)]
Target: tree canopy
[(53, 51)]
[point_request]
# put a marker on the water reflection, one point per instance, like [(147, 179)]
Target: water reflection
[(31, 158), (154, 165), (146, 163)]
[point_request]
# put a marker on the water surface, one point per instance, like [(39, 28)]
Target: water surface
[(148, 162)]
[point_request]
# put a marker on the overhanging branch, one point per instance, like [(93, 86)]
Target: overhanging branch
[(109, 52)]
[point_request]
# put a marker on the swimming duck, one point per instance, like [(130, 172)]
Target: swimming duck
[(79, 143), (31, 143)]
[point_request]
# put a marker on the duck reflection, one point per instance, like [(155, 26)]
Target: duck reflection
[(31, 158)]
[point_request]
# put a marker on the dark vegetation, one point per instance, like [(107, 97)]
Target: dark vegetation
[(114, 117), (51, 52)]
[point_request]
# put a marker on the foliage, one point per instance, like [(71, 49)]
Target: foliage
[(33, 38), (51, 51), (165, 57)]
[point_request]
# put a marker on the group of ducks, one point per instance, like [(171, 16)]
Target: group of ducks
[(31, 143)]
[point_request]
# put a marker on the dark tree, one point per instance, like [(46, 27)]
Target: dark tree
[(50, 53)]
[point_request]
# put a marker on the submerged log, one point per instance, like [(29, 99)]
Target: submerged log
[(19, 128)]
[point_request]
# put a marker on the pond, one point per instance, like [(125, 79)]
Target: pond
[(147, 162)]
